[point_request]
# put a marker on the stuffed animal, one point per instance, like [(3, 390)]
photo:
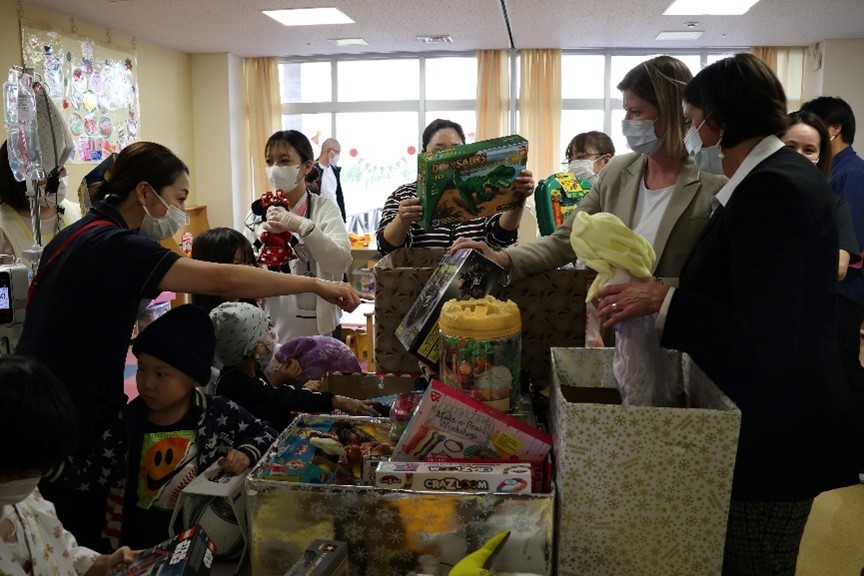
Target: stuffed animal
[(478, 562), (317, 356), (276, 250)]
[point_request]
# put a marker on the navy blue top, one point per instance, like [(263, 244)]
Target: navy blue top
[(80, 318), (847, 181)]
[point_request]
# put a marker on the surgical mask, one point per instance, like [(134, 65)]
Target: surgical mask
[(640, 136), (55, 199), (159, 229), (707, 159), (16, 491), (334, 161), (283, 177), (583, 168)]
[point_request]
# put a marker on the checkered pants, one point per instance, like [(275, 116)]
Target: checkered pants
[(762, 538)]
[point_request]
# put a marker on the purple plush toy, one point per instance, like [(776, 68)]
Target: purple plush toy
[(318, 355)]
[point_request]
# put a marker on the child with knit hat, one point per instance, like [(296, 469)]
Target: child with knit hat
[(172, 431), (245, 345)]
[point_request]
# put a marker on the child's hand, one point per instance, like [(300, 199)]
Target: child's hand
[(353, 406), (123, 555), (313, 385), (288, 373), (234, 462)]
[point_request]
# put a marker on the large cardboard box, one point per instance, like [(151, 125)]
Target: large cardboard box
[(552, 306), (642, 491), (469, 181), (388, 530)]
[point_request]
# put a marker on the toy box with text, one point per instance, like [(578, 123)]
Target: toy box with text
[(453, 476), (322, 558), (189, 553), (471, 180), (464, 274)]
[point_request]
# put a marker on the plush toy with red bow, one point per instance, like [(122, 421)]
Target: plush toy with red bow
[(276, 250)]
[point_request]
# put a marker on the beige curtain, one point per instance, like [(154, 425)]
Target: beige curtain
[(540, 109), (263, 117), (493, 93), (787, 62)]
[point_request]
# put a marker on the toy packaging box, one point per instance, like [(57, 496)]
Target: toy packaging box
[(189, 553), (464, 274), (470, 181), (462, 477), (450, 425), (322, 558), (556, 197)]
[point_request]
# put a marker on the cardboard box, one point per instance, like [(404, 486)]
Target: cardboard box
[(552, 306), (387, 530), (461, 275), (216, 501), (643, 491), (189, 553), (449, 424), (454, 476), (322, 558), (470, 181), (367, 386)]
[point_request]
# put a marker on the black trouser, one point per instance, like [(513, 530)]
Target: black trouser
[(849, 318)]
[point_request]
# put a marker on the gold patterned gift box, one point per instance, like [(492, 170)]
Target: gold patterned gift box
[(641, 490), (388, 531)]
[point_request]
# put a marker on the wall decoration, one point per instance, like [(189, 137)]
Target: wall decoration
[(94, 84)]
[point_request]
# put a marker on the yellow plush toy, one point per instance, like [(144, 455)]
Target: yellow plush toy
[(477, 563)]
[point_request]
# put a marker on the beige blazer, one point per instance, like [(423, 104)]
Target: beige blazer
[(616, 191)]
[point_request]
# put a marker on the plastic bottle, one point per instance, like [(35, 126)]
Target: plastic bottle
[(25, 158)]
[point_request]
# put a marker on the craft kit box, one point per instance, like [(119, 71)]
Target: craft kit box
[(642, 490), (471, 180), (461, 275), (189, 553), (454, 476), (551, 304), (388, 530)]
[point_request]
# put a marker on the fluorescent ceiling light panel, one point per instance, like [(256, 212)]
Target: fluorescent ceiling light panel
[(709, 7), (349, 42), (309, 16), (442, 39), (677, 35)]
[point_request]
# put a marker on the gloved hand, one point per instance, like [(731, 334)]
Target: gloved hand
[(281, 220)]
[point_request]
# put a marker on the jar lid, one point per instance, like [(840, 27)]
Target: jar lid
[(486, 317)]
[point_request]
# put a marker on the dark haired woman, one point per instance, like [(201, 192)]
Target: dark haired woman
[(757, 311), (400, 219)]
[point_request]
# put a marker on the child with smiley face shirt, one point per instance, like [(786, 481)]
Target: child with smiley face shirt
[(172, 431)]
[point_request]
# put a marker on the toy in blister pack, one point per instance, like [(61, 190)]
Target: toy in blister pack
[(556, 197)]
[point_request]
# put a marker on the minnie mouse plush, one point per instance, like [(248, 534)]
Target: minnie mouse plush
[(276, 250)]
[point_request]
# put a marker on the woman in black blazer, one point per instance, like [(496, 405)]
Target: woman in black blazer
[(756, 309)]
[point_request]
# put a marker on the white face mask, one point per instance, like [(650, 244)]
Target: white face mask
[(54, 200), (334, 159), (640, 136), (583, 168), (161, 228), (283, 178), (16, 491), (707, 159)]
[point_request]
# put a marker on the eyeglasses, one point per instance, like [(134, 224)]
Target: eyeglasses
[(583, 156)]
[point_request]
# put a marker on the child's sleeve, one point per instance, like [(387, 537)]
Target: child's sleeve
[(100, 466), (252, 437)]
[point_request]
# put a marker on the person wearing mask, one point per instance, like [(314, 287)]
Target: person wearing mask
[(756, 309), (400, 219), (92, 277), (328, 183), (56, 211), (656, 190), (587, 154)]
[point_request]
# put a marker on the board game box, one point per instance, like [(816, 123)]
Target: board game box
[(470, 181)]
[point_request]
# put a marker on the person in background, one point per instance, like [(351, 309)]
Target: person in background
[(588, 153), (847, 181), (56, 211), (656, 190), (170, 416), (808, 136), (92, 277), (400, 219), (756, 309), (37, 424), (90, 183), (245, 347), (222, 246), (319, 239), (328, 183)]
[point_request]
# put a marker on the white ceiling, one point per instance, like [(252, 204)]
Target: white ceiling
[(238, 26)]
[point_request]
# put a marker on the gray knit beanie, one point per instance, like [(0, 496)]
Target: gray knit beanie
[(239, 327)]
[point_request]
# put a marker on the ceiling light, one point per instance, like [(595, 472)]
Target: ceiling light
[(309, 16), (709, 7), (349, 42), (679, 35), (443, 39)]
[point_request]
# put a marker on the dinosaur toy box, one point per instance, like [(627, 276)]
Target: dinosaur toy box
[(470, 181)]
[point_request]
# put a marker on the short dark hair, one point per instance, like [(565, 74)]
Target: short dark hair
[(740, 96), (12, 192), (594, 139), (219, 245), (812, 120), (832, 111), (140, 162), (436, 126), (38, 420)]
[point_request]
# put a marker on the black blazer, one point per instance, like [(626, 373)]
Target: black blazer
[(757, 310), (315, 186)]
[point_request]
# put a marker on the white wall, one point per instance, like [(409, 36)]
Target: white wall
[(841, 74)]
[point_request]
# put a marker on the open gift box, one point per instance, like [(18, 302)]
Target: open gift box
[(642, 490)]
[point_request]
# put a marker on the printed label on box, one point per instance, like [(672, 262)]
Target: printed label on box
[(454, 477)]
